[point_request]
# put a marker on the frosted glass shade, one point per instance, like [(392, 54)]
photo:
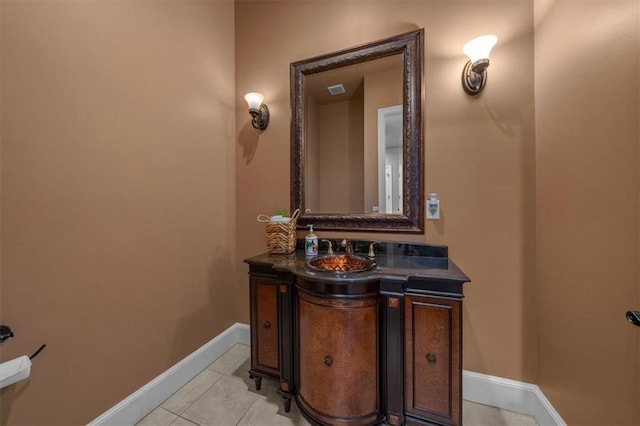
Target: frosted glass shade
[(254, 100), (480, 47)]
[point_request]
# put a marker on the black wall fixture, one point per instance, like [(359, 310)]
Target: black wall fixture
[(5, 333)]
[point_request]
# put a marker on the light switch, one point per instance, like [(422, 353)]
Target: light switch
[(433, 206)]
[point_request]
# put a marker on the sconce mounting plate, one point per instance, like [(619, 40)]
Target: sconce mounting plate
[(473, 81), (260, 117)]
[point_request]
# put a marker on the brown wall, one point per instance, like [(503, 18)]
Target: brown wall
[(356, 148), (334, 158), (587, 137), (339, 151), (479, 151), (118, 196), (312, 155)]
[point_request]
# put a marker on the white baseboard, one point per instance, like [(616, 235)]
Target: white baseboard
[(140, 403), (510, 395), (497, 392)]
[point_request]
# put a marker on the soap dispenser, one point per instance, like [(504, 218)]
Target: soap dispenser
[(311, 243)]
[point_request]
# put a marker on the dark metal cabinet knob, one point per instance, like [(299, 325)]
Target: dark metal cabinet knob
[(266, 325), (431, 358), (328, 361)]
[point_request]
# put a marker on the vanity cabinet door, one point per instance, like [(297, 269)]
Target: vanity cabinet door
[(433, 370), (337, 364), (264, 325)]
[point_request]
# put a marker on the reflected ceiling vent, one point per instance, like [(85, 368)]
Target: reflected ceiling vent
[(338, 89)]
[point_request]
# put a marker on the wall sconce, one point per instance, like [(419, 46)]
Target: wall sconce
[(474, 74), (258, 110)]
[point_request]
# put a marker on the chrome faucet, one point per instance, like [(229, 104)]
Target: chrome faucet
[(330, 248), (372, 252), (348, 247)]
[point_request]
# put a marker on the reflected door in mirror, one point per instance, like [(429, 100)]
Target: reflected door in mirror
[(389, 161)]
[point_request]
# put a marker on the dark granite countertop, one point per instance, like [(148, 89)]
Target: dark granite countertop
[(395, 261)]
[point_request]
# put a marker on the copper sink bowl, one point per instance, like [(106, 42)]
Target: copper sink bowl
[(340, 263)]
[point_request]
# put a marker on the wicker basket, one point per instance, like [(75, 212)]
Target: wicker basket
[(280, 236)]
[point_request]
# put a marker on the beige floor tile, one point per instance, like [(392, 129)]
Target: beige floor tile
[(269, 410), (182, 422), (477, 414), (517, 419), (223, 404), (158, 417), (231, 359), (189, 393), (483, 415), (242, 373)]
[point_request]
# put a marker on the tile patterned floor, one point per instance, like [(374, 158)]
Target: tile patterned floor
[(223, 395)]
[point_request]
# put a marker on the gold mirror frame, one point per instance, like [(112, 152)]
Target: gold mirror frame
[(410, 45)]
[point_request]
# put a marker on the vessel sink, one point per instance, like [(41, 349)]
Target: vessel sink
[(340, 263)]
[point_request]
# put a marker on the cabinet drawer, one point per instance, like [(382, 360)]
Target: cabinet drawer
[(432, 359), (338, 361), (264, 325)]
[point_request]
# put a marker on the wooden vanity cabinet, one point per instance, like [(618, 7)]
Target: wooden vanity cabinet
[(264, 327), (363, 352), (337, 352), (432, 359), (271, 329)]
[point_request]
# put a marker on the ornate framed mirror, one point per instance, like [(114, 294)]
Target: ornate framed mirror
[(356, 137)]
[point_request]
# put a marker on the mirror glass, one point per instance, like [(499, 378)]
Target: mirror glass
[(353, 138), (356, 154)]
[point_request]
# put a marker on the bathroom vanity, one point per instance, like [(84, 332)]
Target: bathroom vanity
[(381, 345)]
